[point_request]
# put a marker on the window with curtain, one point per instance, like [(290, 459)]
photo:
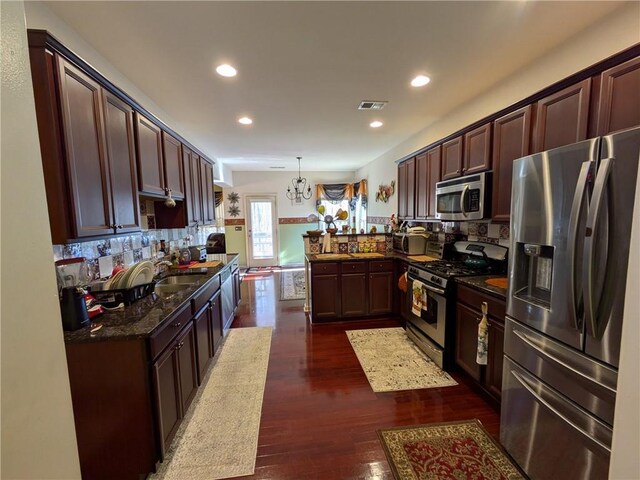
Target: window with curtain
[(349, 197)]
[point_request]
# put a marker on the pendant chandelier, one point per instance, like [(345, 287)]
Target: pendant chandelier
[(300, 189)]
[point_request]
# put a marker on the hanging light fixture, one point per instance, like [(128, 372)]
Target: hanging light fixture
[(300, 189)]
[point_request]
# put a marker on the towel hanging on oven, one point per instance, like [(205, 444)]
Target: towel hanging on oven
[(419, 298)]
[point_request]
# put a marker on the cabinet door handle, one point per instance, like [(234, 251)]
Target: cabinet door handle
[(119, 226), (177, 324)]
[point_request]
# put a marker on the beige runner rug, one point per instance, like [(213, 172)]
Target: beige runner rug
[(219, 435), (392, 362)]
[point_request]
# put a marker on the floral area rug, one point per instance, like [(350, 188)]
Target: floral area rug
[(292, 285), (456, 450), (392, 362)]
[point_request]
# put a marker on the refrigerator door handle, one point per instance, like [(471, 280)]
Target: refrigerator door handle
[(590, 310), (542, 351), (547, 403), (462, 197), (574, 220)]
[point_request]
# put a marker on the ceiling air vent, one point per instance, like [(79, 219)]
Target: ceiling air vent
[(372, 104), (277, 168)]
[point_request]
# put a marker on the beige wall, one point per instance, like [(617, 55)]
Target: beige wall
[(614, 33), (38, 436)]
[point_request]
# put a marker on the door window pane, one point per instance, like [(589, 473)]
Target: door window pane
[(261, 230)]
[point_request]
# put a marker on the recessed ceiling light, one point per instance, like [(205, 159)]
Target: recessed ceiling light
[(245, 121), (420, 81), (226, 70), (376, 124)]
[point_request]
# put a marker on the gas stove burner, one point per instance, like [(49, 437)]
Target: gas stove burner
[(449, 268)]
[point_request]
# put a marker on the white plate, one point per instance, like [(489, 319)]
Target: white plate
[(142, 273)]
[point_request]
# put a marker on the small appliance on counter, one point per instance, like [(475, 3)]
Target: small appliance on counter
[(73, 307), (216, 243), (412, 242), (198, 254)]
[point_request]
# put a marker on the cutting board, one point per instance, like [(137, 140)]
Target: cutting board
[(501, 282), (366, 255), (332, 256), (422, 258), (213, 264)]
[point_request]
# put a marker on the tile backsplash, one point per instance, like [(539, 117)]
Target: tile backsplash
[(125, 250), (102, 255), (487, 232)]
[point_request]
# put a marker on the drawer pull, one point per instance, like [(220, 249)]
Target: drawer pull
[(177, 324)]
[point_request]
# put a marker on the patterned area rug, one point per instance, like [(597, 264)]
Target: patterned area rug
[(219, 436), (456, 450), (392, 362), (292, 285)]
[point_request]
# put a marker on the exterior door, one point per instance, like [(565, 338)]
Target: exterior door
[(262, 239)]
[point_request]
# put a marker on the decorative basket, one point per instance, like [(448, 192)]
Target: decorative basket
[(314, 233), (332, 231)]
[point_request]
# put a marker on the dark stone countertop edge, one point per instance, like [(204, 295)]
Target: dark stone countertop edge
[(144, 317), (340, 234), (314, 258), (478, 283)]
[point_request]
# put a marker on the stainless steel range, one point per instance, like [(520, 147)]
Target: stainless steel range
[(432, 330)]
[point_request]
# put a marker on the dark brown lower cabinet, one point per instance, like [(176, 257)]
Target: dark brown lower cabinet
[(168, 395), (176, 379), (204, 332), (352, 289), (354, 294), (380, 292), (493, 377), (467, 340), (468, 315), (325, 296)]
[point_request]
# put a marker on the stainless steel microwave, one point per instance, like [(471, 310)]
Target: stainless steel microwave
[(464, 198)]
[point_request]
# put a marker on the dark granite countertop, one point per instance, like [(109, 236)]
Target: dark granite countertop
[(349, 234), (479, 283), (348, 257), (144, 316)]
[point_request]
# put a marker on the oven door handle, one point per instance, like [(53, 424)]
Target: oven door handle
[(462, 197), (430, 288)]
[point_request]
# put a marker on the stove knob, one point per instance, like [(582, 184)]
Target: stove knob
[(434, 279)]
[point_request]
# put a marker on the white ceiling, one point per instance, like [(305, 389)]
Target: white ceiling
[(303, 67)]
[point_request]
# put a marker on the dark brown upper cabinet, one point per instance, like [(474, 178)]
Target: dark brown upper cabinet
[(86, 156), (150, 163), (434, 170), (511, 140), (118, 126), (208, 199), (619, 105), (173, 171), (428, 166), (193, 189), (86, 141), (406, 189), (452, 158), (422, 186), (562, 118), (477, 150)]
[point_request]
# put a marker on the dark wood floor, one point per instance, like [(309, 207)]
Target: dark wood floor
[(320, 416)]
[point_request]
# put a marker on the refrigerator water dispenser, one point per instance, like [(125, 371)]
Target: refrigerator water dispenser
[(534, 273)]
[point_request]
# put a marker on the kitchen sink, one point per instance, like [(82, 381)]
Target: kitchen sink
[(180, 280), (168, 290)]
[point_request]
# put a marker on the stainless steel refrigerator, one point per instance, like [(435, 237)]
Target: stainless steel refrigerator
[(571, 214)]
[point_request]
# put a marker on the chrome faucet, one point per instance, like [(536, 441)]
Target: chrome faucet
[(163, 263)]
